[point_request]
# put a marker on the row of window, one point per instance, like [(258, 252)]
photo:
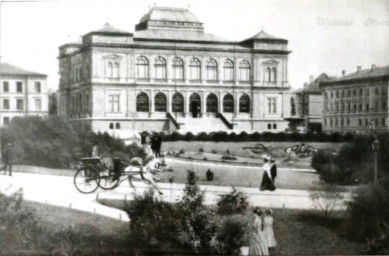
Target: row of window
[(347, 107), (212, 103), (79, 103), (356, 92), (346, 122), (19, 87), (19, 104)]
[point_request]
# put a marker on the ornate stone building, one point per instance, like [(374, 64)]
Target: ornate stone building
[(172, 76), (357, 102), (23, 93)]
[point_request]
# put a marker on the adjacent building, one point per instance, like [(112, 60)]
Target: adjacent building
[(169, 75), (308, 105), (23, 93), (357, 102)]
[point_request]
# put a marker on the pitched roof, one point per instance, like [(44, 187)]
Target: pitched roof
[(179, 35), (8, 69), (365, 73), (169, 14), (313, 87), (262, 35), (110, 29)]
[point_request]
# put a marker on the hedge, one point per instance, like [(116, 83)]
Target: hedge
[(265, 136)]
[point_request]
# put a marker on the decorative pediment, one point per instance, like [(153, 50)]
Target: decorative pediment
[(271, 62), (112, 57)]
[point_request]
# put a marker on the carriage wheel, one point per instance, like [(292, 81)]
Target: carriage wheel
[(107, 181), (86, 180)]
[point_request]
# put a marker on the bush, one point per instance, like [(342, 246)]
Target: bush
[(209, 175), (228, 157), (369, 212), (56, 142), (201, 150), (232, 203)]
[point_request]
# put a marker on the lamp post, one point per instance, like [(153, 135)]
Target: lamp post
[(375, 145)]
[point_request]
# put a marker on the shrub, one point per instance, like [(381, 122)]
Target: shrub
[(201, 150), (228, 157), (369, 212), (213, 151), (209, 175), (181, 151), (326, 198), (232, 203)]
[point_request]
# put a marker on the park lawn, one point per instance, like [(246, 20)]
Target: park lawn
[(97, 233), (277, 149), (298, 232), (240, 176)]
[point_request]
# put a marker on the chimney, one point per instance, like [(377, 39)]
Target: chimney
[(373, 66), (310, 78), (359, 68), (343, 72)]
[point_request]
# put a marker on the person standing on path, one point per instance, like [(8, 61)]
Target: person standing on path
[(7, 158), (268, 229), (273, 170), (267, 182), (158, 144), (258, 245)]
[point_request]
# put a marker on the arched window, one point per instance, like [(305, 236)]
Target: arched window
[(117, 126), (273, 75), (142, 67), (211, 70), (178, 69), (195, 69), (228, 70), (211, 103), (268, 75), (160, 102), (109, 71), (178, 103), (111, 126), (115, 72), (228, 103), (244, 70), (244, 104), (160, 68), (142, 102)]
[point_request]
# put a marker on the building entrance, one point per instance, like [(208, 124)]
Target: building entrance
[(195, 105)]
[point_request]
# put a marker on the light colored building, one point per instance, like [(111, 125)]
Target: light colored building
[(309, 105), (357, 102), (23, 93), (172, 76)]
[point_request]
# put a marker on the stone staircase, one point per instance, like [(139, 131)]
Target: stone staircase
[(204, 124)]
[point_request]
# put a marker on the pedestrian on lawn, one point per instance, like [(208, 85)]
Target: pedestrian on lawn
[(7, 158), (258, 244), (268, 229)]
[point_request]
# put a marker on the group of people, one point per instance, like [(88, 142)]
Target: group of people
[(262, 239), (151, 143), (269, 173)]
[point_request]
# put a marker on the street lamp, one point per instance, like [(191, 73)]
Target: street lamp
[(375, 145)]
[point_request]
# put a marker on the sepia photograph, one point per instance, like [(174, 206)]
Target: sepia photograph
[(194, 127)]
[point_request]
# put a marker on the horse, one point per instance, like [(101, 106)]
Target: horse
[(145, 172)]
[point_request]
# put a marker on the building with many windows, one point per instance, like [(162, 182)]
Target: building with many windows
[(23, 93), (169, 75), (357, 102), (308, 105)]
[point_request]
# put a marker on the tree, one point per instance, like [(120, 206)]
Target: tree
[(53, 104)]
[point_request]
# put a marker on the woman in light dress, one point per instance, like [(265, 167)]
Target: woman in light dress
[(258, 245), (268, 229)]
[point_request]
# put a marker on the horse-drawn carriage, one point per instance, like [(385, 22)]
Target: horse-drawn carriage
[(108, 173)]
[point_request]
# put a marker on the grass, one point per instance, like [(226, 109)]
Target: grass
[(300, 232), (245, 176)]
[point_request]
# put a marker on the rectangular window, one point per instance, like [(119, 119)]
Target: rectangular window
[(360, 122), (383, 121), (19, 87), (366, 122), (37, 86), (5, 87), (38, 104), (271, 105), (114, 103), (19, 104), (5, 104)]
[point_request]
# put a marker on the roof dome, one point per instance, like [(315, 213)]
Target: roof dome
[(169, 14)]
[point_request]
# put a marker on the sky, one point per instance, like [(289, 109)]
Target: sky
[(324, 35)]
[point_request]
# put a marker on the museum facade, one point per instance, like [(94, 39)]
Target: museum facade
[(169, 75)]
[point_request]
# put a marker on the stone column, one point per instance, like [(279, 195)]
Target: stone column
[(186, 104), (203, 104), (169, 102)]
